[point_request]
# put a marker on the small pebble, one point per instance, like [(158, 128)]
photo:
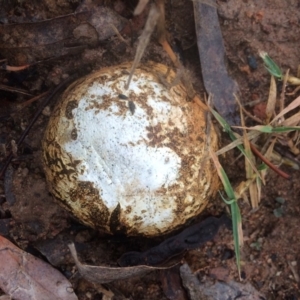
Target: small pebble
[(252, 62), (46, 111)]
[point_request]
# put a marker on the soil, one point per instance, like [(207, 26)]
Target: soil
[(33, 221)]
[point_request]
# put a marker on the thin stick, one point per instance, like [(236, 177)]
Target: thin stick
[(14, 90), (26, 103), (23, 104), (268, 163)]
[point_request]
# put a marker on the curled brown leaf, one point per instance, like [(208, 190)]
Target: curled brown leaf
[(105, 274)]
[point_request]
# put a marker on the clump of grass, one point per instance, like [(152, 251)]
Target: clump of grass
[(234, 208), (274, 129)]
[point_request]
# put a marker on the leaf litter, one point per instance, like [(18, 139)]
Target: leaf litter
[(106, 274), (25, 277)]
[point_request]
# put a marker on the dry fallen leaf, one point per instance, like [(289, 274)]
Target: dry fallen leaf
[(105, 274), (25, 277), (211, 50)]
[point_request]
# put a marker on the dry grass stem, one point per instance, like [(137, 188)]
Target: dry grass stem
[(256, 119), (249, 162), (271, 104), (282, 95), (294, 149), (268, 153), (115, 29), (14, 90), (294, 92), (140, 7), (161, 22), (290, 107), (294, 120), (250, 135), (144, 39)]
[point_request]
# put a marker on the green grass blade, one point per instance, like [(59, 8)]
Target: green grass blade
[(227, 185), (271, 66), (261, 128), (262, 167), (271, 129), (231, 134), (235, 211), (227, 128), (285, 129)]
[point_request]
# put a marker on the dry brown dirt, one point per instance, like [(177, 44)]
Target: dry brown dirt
[(29, 216)]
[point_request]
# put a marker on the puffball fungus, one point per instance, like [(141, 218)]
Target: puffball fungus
[(131, 161)]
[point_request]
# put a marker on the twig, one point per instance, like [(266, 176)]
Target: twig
[(20, 106), (23, 104), (14, 90), (268, 163)]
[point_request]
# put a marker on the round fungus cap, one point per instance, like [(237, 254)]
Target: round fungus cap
[(131, 161)]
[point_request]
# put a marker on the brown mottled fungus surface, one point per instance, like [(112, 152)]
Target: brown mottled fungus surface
[(134, 165)]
